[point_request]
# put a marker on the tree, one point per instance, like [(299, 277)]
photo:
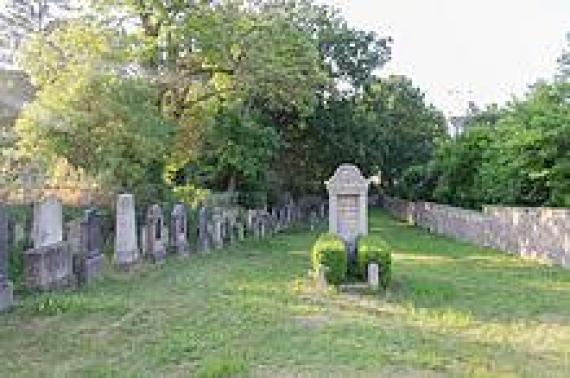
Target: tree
[(103, 123)]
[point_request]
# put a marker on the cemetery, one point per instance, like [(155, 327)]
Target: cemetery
[(279, 189)]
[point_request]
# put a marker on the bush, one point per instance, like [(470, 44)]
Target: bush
[(329, 251), (375, 250)]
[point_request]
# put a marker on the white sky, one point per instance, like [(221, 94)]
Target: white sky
[(458, 50)]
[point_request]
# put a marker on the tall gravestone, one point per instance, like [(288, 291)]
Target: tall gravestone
[(6, 291), (49, 265), (156, 237), (348, 206), (179, 234), (126, 248), (48, 223), (204, 243), (90, 259)]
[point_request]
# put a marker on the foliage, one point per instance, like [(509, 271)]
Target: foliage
[(374, 249), (388, 128), (329, 251), (517, 155)]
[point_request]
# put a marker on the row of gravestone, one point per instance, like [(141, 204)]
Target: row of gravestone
[(67, 256), (217, 227)]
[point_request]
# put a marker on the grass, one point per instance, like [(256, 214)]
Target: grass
[(452, 310)]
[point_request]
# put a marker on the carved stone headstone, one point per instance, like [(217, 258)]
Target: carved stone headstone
[(48, 222), (126, 248), (373, 279), (216, 230), (155, 235), (89, 263), (178, 233), (240, 231), (348, 205), (6, 291), (203, 232)]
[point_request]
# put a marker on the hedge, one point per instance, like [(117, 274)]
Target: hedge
[(329, 250), (375, 250)]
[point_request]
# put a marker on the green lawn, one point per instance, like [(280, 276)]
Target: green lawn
[(453, 310)]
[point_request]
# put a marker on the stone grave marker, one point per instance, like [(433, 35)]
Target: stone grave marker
[(155, 235), (348, 206), (126, 247), (373, 279), (48, 222), (179, 225), (216, 230), (90, 260), (6, 290), (49, 265), (203, 231)]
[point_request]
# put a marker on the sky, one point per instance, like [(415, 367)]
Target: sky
[(461, 50)]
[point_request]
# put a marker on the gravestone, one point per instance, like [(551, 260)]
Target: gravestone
[(89, 262), (203, 231), (49, 264), (216, 230), (373, 279), (240, 230), (348, 206), (155, 235), (48, 223), (179, 224), (6, 290), (126, 248)]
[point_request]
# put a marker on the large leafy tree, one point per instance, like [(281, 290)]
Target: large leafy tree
[(88, 113)]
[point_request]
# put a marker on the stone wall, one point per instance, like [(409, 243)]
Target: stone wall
[(538, 233)]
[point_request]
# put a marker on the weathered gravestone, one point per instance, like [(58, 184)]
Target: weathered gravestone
[(179, 224), (89, 261), (126, 248), (6, 291), (348, 206), (373, 276), (156, 238), (216, 229), (203, 232), (48, 223), (49, 265)]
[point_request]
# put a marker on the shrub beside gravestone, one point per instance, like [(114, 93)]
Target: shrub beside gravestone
[(374, 250), (330, 252)]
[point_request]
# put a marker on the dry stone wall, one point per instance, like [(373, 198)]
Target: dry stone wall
[(538, 233)]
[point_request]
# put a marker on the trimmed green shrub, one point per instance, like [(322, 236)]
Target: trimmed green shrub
[(329, 251), (375, 250)]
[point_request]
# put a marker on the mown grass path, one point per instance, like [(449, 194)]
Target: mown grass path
[(453, 310)]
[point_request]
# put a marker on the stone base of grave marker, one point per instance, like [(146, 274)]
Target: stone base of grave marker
[(6, 295), (157, 256), (126, 260), (182, 249), (49, 267), (373, 280), (88, 269)]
